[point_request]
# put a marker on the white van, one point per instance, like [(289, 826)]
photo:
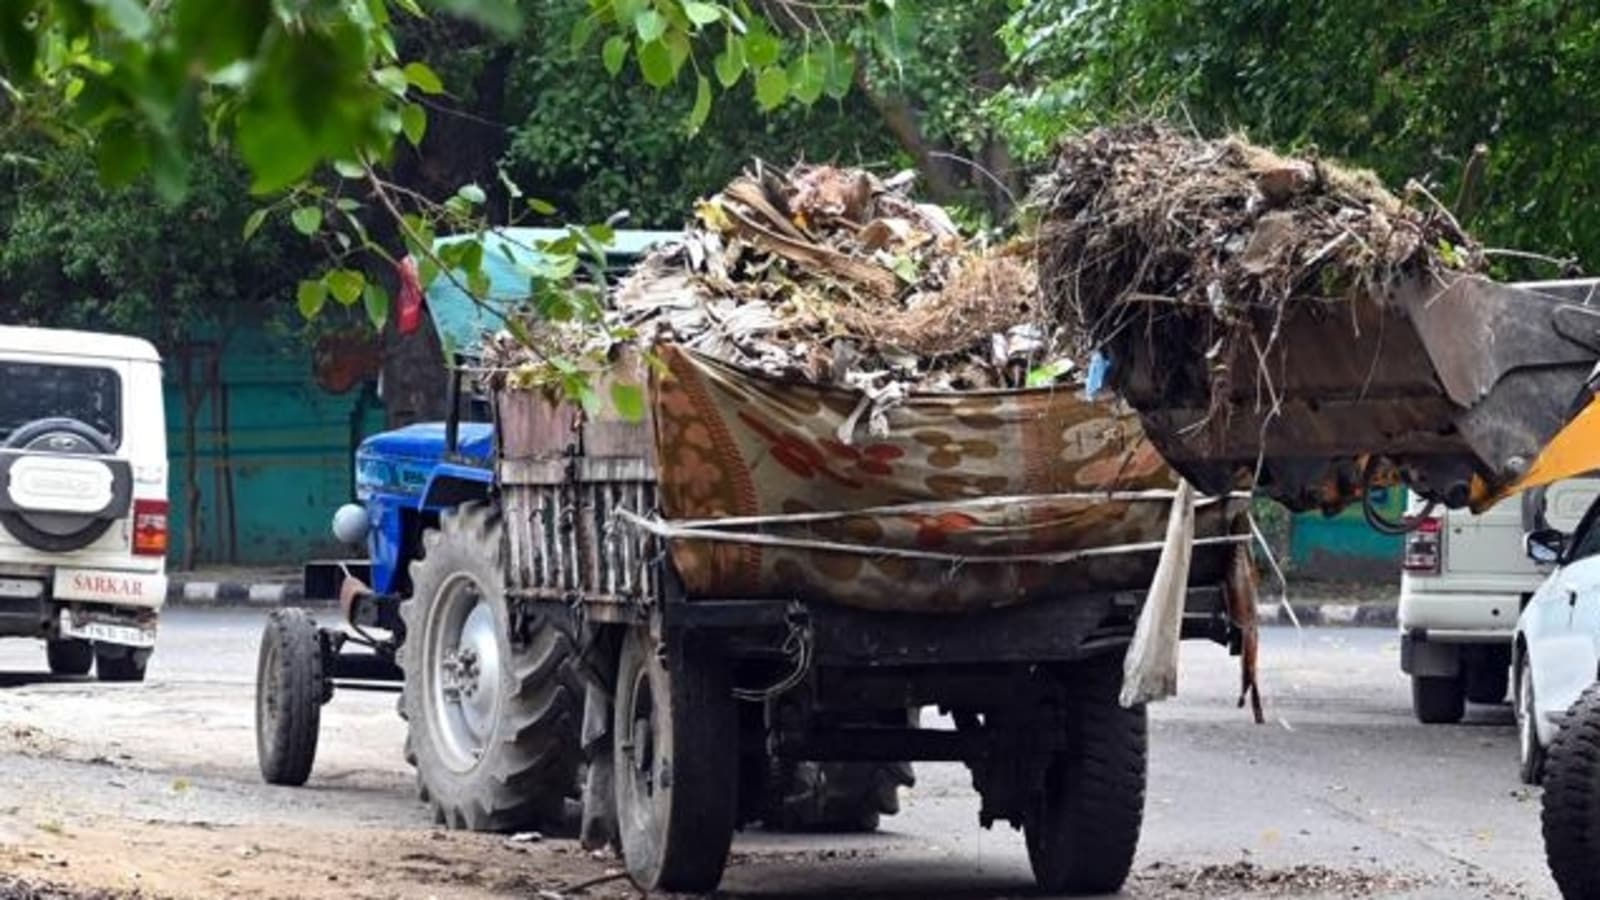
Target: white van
[(1464, 581), (83, 498)]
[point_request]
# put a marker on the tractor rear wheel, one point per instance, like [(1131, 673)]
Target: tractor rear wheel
[(492, 717)]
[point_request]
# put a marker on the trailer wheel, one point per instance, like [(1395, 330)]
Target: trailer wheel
[(1438, 700), (675, 755), (1084, 826), (290, 692), (69, 656), (493, 721), (1572, 800)]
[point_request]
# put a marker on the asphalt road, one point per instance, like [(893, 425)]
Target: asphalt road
[(1341, 793)]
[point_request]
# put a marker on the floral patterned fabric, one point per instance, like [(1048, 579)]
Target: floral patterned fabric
[(731, 443)]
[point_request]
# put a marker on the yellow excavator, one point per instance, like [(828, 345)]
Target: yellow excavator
[(1466, 390)]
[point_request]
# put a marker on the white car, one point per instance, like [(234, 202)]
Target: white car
[(83, 498), (1556, 653)]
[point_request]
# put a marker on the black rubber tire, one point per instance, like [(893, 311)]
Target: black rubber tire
[(1438, 700), (69, 656), (676, 812), (1488, 679), (115, 662), (1083, 829), (89, 441), (1531, 754), (1572, 801), (530, 760), (838, 797), (290, 691)]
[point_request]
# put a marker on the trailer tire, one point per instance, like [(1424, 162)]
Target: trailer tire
[(115, 662), (675, 748), (1571, 814), (493, 722), (290, 691), (69, 656), (1083, 828), (1438, 699)]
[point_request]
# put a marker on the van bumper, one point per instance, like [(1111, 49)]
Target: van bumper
[(1460, 616)]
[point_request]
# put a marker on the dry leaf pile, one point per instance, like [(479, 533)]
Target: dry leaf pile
[(836, 276), (1153, 235)]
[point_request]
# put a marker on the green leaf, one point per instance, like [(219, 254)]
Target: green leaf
[(702, 104), (345, 284), (414, 123), (772, 88), (655, 63), (472, 194), (701, 13), (349, 169), (649, 24), (254, 222), (126, 16), (424, 79), (582, 31), (391, 79), (614, 54), (541, 207), (307, 220), (761, 48), (729, 64), (122, 154), (376, 301), (841, 73), (807, 78), (628, 400), (310, 297)]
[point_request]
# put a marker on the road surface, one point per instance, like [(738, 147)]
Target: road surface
[(154, 788)]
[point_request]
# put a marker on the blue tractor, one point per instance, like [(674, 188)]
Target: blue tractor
[(425, 514)]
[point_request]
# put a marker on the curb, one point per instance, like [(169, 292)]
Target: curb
[(233, 594), (1360, 615)]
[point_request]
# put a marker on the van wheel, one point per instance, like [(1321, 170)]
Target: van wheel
[(1572, 801), (1437, 700), (70, 656), (115, 662)]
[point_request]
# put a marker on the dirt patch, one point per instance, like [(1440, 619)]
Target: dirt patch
[(1246, 879), (120, 860)]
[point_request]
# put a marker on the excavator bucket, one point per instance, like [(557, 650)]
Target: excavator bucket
[(1463, 390)]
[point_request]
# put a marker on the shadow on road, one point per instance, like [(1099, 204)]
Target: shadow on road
[(23, 679)]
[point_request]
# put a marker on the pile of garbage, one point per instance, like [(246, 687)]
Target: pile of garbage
[(1141, 221), (836, 276)]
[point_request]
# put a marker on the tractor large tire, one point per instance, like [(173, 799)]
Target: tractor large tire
[(1572, 801), (69, 656), (290, 691), (492, 718), (1084, 828), (675, 756)]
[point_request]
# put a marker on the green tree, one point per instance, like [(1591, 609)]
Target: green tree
[(1408, 89)]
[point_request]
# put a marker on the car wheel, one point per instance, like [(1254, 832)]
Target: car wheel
[(114, 662), (1438, 700), (1530, 751), (70, 656)]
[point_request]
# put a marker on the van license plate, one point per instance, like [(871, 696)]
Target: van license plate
[(108, 632)]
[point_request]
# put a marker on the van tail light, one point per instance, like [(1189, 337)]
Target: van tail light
[(150, 527), (1422, 547)]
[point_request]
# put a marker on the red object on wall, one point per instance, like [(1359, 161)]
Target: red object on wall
[(410, 302)]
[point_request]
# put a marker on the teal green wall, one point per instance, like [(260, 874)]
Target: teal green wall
[(1345, 547), (270, 480)]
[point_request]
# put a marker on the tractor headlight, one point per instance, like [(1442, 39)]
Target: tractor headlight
[(350, 523)]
